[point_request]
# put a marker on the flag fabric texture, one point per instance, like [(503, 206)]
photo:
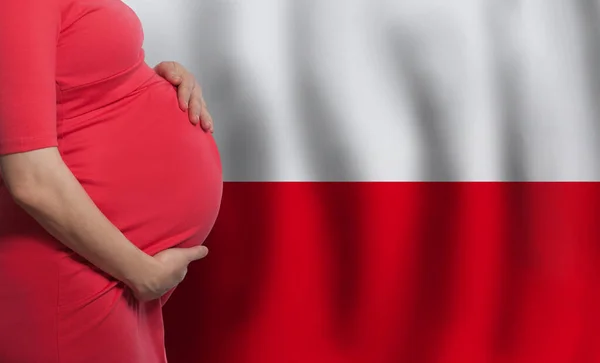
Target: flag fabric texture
[(406, 181)]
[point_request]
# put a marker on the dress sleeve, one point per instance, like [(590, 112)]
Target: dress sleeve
[(28, 40)]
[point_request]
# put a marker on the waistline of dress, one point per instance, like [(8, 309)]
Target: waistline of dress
[(83, 99)]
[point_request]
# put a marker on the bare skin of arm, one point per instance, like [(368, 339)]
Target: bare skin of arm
[(45, 188)]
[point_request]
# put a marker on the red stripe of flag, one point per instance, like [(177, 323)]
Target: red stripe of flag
[(395, 272)]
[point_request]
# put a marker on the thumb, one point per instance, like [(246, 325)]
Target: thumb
[(196, 253), (170, 71)]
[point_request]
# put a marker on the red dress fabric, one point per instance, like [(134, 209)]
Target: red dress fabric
[(72, 75)]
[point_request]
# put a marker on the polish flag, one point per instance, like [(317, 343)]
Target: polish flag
[(406, 181)]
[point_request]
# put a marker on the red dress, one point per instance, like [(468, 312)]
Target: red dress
[(72, 75)]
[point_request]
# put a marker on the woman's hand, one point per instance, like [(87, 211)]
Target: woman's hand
[(189, 93), (169, 270)]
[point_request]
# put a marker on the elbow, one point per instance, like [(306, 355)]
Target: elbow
[(24, 194), (23, 188), (27, 176)]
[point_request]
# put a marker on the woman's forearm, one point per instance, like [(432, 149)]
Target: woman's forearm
[(42, 184)]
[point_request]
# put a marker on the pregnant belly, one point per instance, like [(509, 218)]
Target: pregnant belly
[(153, 174)]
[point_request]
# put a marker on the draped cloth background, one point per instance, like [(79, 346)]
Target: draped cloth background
[(406, 180)]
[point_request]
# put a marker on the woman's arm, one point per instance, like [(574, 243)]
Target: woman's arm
[(41, 183)]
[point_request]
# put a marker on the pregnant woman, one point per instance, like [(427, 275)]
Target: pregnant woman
[(107, 190)]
